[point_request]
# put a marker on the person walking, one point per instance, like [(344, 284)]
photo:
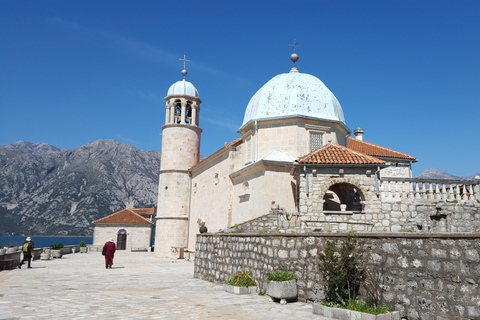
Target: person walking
[(27, 252), (109, 248)]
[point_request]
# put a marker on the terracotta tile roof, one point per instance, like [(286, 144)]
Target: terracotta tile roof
[(126, 216), (375, 150), (333, 153), (236, 140), (144, 211)]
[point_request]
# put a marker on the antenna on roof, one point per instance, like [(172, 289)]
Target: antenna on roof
[(184, 71)]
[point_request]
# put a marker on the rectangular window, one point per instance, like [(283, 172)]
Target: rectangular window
[(316, 140)]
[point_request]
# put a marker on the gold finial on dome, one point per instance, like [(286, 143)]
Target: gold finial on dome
[(184, 71), (294, 56)]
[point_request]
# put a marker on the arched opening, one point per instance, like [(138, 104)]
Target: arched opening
[(122, 239), (343, 194), (188, 113), (178, 111)]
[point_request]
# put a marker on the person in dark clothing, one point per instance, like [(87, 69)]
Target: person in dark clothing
[(110, 245), (27, 252)]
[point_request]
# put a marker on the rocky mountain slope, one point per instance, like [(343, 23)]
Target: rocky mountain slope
[(50, 191), (433, 173)]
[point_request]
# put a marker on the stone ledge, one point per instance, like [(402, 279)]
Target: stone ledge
[(416, 235), (344, 314)]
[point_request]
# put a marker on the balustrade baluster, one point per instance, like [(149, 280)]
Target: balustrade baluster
[(472, 192), (457, 195), (444, 192), (430, 191), (437, 192), (450, 192)]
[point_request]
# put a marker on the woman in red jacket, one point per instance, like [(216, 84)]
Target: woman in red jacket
[(110, 250)]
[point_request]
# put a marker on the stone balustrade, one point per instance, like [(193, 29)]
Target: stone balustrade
[(429, 190)]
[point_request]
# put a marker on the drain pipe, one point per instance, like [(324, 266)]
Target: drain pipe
[(256, 141), (189, 206), (306, 179), (376, 181)]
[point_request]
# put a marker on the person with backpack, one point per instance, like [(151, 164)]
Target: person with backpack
[(27, 252)]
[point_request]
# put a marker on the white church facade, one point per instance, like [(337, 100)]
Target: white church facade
[(293, 116)]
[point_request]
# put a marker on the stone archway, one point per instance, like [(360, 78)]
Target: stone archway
[(122, 239), (345, 193)]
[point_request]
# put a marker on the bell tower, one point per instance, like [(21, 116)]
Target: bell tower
[(180, 151)]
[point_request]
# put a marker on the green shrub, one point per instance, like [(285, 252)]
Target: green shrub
[(341, 270), (242, 279), (280, 275), (57, 246), (360, 306), (1, 245), (83, 244)]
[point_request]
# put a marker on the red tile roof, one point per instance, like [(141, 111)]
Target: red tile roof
[(127, 216), (375, 150), (333, 153)]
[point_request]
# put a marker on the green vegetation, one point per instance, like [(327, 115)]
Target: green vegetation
[(235, 231), (280, 275), (341, 270), (361, 307), (261, 293), (1, 245), (83, 244), (242, 279), (453, 201), (56, 246)]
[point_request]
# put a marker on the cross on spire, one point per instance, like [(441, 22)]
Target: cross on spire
[(184, 60), (184, 71), (294, 45)]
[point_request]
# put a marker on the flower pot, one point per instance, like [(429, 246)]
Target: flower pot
[(238, 290), (83, 250), (283, 290), (46, 254), (57, 253), (11, 250)]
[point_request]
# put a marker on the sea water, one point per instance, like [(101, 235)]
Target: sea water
[(42, 242)]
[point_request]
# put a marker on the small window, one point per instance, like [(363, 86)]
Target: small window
[(188, 113), (249, 150), (246, 188), (316, 140)]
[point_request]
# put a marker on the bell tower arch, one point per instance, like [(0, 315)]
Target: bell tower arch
[(180, 151)]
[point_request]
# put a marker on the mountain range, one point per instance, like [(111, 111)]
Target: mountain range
[(45, 190)]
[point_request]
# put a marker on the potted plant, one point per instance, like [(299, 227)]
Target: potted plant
[(57, 250), (83, 247), (2, 249), (281, 285), (274, 206), (241, 283)]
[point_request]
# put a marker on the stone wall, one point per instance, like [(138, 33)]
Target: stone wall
[(425, 276), (402, 213)]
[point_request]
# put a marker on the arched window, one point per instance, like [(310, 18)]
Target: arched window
[(188, 113), (178, 111), (246, 188)]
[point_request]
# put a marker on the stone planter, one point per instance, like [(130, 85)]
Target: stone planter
[(344, 314), (46, 254), (239, 290), (11, 250), (283, 290), (57, 253), (3, 251), (83, 249)]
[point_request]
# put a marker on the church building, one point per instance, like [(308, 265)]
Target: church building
[(291, 123)]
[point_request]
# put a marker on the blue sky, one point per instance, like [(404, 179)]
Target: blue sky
[(408, 72)]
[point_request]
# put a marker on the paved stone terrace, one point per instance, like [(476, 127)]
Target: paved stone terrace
[(138, 286)]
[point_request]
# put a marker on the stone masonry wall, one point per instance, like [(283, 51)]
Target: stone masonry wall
[(425, 276), (411, 215)]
